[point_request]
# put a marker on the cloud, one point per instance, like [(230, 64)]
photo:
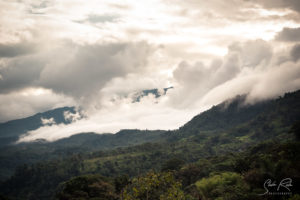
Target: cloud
[(30, 101), (20, 73), (259, 85), (190, 74), (71, 70), (276, 81), (93, 18), (16, 49), (295, 53), (191, 81), (267, 79), (48, 122), (122, 115), (72, 117), (39, 7), (75, 70), (280, 4), (194, 81), (41, 4), (90, 67), (252, 52), (289, 35)]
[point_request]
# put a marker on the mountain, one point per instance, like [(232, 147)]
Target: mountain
[(225, 129), (227, 114), (11, 130), (138, 96)]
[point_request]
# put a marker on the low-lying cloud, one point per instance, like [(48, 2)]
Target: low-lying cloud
[(123, 115)]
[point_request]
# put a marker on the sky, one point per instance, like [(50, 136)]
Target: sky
[(95, 55)]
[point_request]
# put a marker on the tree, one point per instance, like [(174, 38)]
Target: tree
[(172, 164), (190, 174), (120, 183), (87, 187), (296, 130), (227, 185), (160, 186)]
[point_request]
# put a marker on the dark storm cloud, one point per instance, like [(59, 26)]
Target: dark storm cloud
[(91, 67), (295, 53), (20, 73), (71, 69), (289, 34), (15, 49)]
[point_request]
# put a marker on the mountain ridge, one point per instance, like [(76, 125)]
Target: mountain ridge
[(135, 152), (230, 126)]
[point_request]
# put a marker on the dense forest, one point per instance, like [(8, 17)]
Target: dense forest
[(232, 151)]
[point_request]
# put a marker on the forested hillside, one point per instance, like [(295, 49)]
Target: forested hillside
[(227, 152)]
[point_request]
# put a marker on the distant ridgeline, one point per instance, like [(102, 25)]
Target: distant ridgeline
[(11, 130), (232, 146), (138, 96)]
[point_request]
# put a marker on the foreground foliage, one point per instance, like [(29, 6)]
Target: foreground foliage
[(86, 187), (161, 186)]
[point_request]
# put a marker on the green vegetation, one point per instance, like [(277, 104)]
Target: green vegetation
[(86, 187), (162, 186), (226, 185), (227, 152)]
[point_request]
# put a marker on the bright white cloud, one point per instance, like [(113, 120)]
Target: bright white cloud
[(72, 117), (48, 122)]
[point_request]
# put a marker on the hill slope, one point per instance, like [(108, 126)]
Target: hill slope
[(225, 128)]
